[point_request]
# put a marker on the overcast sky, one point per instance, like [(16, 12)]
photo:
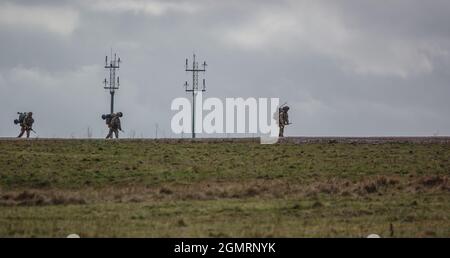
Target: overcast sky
[(346, 68)]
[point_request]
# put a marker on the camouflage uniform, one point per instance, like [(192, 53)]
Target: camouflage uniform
[(283, 119), (26, 125), (114, 125)]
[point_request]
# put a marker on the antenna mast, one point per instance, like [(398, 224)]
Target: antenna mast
[(113, 84), (194, 87)]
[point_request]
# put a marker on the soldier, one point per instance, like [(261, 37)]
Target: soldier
[(26, 125), (114, 125), (283, 119)]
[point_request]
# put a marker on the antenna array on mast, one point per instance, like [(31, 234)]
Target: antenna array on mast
[(114, 82)]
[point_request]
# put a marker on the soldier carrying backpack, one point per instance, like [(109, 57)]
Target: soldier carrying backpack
[(26, 122), (113, 122), (283, 119)]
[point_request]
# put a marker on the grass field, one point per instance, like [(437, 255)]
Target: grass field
[(97, 188)]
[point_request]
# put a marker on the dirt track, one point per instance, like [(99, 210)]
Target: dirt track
[(366, 140), (286, 140)]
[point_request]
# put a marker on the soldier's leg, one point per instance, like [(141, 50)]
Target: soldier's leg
[(28, 133), (109, 134), (22, 131), (281, 131), (116, 132)]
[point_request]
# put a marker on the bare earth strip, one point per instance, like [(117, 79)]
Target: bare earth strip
[(286, 140)]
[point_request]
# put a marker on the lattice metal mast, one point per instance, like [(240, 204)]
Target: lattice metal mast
[(113, 84), (194, 87)]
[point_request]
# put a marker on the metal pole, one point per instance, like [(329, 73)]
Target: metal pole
[(112, 102), (193, 114)]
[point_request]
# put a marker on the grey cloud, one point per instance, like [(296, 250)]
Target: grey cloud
[(404, 47)]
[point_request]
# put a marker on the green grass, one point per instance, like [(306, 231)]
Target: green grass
[(102, 188)]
